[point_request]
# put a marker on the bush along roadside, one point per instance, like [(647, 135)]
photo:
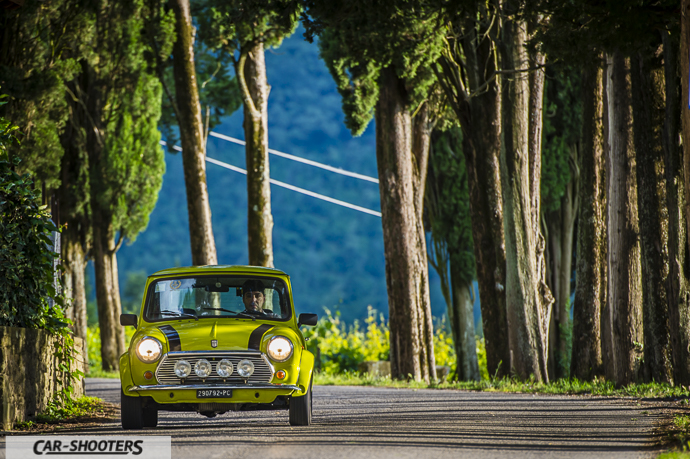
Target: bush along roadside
[(340, 348), (29, 294)]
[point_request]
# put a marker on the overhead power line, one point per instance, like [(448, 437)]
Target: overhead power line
[(336, 170), (290, 187)]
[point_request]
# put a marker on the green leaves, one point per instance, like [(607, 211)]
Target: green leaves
[(357, 81), (231, 25), (360, 37), (26, 260)]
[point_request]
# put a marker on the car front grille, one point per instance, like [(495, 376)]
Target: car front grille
[(263, 370)]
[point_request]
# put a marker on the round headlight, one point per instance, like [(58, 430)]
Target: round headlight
[(245, 368), (149, 350), (280, 348), (202, 368), (224, 368), (183, 369)]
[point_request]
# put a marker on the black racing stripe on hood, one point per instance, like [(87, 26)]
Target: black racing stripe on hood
[(173, 338), (257, 334)]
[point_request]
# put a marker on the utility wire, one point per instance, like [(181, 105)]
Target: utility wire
[(337, 170), (289, 187)]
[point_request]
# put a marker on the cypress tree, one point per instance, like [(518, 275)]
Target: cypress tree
[(380, 56), (243, 29)]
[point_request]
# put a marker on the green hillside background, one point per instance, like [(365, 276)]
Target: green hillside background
[(334, 255)]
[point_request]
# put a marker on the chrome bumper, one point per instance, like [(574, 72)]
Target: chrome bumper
[(209, 386)]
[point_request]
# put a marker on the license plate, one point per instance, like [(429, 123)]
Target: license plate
[(213, 393)]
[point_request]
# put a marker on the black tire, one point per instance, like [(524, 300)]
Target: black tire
[(150, 417), (300, 408), (132, 412)]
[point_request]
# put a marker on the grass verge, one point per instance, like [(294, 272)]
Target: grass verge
[(561, 386), (98, 372), (84, 411)]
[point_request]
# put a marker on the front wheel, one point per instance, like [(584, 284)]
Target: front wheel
[(132, 412), (300, 408), (150, 417)]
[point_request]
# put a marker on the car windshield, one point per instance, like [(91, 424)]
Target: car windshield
[(217, 296)]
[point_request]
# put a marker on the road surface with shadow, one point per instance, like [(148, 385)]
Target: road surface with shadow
[(369, 423)]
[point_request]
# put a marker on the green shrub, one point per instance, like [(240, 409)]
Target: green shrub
[(341, 348), (481, 358), (444, 351), (26, 261), (95, 363)]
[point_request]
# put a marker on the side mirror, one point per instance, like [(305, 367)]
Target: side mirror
[(128, 319), (307, 319)]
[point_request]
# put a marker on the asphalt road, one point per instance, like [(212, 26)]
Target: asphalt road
[(369, 423)]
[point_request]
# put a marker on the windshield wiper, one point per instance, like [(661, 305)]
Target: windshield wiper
[(241, 313), (178, 314)]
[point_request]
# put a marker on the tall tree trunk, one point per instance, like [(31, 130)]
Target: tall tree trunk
[(102, 233), (678, 294), (561, 227), (647, 86), (685, 99), (528, 300), (456, 281), (255, 89), (590, 287), (553, 255), (107, 289), (406, 264), (202, 241), (74, 261), (421, 143), (462, 325), (73, 197), (569, 208), (480, 119), (624, 315)]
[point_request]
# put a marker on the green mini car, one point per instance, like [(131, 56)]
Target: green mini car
[(213, 339)]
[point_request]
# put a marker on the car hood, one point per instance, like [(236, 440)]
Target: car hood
[(230, 334)]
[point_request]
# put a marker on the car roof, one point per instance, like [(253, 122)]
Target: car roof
[(224, 269)]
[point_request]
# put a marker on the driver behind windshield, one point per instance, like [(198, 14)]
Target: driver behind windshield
[(253, 297)]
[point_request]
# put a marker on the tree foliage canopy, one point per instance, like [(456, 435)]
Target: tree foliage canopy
[(117, 85), (359, 38), (231, 25), (39, 51)]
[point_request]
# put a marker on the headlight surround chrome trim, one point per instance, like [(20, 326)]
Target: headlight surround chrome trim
[(154, 341), (270, 353)]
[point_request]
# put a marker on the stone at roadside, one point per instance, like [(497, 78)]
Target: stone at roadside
[(442, 373), (379, 368)]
